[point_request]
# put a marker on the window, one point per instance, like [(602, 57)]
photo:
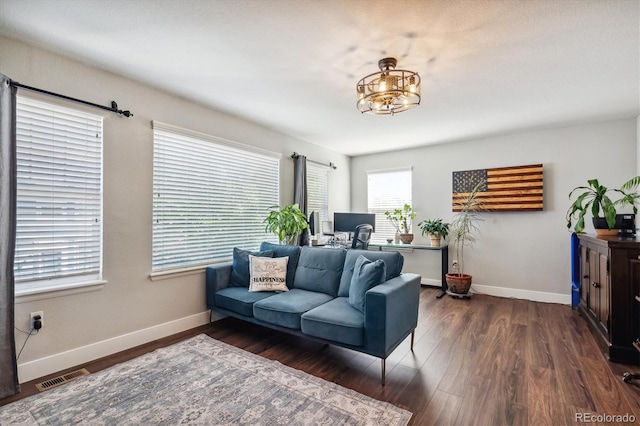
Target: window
[(209, 195), (59, 197), (387, 190), (318, 192)]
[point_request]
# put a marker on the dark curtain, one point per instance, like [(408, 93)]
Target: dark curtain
[(8, 366), (300, 191)]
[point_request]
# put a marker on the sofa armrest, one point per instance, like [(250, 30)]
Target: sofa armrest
[(391, 313), (217, 278)]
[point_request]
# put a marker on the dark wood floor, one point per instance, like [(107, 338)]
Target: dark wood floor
[(484, 361)]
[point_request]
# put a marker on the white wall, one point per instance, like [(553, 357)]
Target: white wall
[(518, 254), (131, 309), (638, 145)]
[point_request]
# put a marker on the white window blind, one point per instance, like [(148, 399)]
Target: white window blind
[(387, 190), (59, 194), (318, 192), (208, 197)]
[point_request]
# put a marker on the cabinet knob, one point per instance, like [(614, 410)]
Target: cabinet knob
[(595, 284), (587, 276)]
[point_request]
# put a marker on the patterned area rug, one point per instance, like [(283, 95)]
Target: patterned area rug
[(201, 381)]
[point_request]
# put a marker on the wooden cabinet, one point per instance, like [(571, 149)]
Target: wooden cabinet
[(610, 271)]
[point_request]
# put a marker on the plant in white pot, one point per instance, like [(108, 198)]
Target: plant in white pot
[(287, 222), (463, 231), (436, 229), (401, 219)]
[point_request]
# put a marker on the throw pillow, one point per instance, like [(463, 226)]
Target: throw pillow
[(366, 275), (268, 274), (240, 266)]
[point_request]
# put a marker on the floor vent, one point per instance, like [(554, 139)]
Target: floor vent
[(61, 380)]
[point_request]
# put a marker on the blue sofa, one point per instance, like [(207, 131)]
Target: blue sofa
[(317, 304)]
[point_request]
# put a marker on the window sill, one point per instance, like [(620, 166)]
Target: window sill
[(47, 290), (182, 272)]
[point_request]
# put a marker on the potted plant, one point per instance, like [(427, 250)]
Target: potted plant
[(436, 229), (463, 230), (401, 219), (595, 198), (287, 222)]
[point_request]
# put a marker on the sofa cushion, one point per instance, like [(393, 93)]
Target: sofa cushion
[(268, 273), (285, 309), (335, 320), (392, 259), (239, 299), (240, 266), (366, 275), (282, 250), (320, 269)]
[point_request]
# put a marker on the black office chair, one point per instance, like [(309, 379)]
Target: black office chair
[(362, 236)]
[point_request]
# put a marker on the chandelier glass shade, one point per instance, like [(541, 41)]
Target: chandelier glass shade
[(388, 91)]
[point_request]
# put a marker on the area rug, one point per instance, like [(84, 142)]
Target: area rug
[(201, 381)]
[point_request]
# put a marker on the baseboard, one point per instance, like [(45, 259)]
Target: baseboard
[(535, 296), (431, 282), (51, 364)]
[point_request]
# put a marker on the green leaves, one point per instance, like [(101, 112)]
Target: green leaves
[(401, 218), (286, 222), (465, 224), (435, 227), (594, 198)]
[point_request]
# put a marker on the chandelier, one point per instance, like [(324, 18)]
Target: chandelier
[(388, 91)]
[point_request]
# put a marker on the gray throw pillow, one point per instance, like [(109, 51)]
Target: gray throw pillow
[(366, 275), (240, 266)]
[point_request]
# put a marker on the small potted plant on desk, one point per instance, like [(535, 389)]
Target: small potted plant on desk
[(436, 229), (464, 228), (401, 219), (594, 198), (287, 222)]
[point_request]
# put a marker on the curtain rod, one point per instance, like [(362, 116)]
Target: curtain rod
[(296, 155), (113, 108)]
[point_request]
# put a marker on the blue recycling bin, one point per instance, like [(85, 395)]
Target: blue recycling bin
[(575, 271)]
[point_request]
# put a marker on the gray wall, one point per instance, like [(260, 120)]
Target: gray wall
[(519, 254), (129, 308)]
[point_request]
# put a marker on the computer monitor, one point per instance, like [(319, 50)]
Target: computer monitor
[(347, 222), (314, 223)]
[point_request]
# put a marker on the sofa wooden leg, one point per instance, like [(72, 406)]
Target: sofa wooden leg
[(413, 335), (384, 368)]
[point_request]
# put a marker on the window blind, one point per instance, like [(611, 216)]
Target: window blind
[(387, 190), (318, 191), (59, 192), (208, 198)]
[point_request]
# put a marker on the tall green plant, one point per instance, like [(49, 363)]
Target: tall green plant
[(287, 222), (465, 225)]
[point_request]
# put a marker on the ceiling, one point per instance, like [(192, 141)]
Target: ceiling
[(487, 67)]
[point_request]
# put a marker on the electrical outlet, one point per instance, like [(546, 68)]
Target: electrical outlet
[(34, 314)]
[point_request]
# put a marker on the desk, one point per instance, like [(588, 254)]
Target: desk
[(444, 257)]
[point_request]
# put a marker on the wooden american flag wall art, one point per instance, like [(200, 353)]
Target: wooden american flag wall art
[(516, 188)]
